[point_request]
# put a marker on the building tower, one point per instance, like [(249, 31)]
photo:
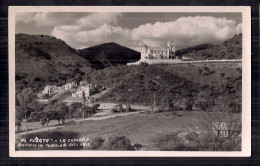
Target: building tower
[(144, 52), (171, 47)]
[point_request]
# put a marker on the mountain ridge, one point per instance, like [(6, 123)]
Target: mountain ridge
[(42, 59), (109, 54), (229, 49)]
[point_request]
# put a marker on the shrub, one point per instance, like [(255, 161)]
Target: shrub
[(95, 106), (128, 108), (137, 146), (200, 71), (96, 143), (118, 108), (188, 104), (144, 64), (117, 143), (168, 142), (210, 137)]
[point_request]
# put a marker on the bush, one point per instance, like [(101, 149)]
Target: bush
[(207, 141), (112, 143), (96, 143), (137, 146), (211, 137), (128, 108), (117, 143), (95, 106), (188, 104), (168, 142), (118, 108)]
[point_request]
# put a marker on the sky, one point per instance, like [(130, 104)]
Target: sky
[(133, 30)]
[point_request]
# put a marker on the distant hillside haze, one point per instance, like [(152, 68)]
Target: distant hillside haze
[(109, 54), (42, 60), (229, 49)]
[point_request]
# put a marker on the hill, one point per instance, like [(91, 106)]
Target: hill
[(203, 86), (230, 49), (109, 54), (42, 59)]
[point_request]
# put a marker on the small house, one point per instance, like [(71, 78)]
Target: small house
[(71, 85), (83, 91), (49, 89)]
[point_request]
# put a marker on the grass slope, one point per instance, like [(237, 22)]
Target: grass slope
[(214, 83), (230, 49), (41, 60)]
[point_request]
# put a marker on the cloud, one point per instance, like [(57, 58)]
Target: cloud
[(42, 19), (92, 29), (187, 31), (24, 17), (86, 29), (98, 19)]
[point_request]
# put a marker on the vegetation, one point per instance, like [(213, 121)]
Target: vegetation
[(230, 49), (168, 142), (111, 143), (39, 62), (109, 54), (188, 89), (206, 93)]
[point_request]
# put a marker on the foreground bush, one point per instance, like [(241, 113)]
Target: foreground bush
[(168, 142), (117, 143), (209, 142), (111, 143)]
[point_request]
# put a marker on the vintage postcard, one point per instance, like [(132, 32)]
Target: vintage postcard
[(138, 81)]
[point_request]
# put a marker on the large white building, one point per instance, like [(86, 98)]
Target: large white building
[(159, 53)]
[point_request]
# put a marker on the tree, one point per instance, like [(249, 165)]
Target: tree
[(188, 104), (72, 109), (18, 117), (87, 111), (25, 97), (167, 102)]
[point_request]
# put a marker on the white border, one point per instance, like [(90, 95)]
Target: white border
[(246, 80)]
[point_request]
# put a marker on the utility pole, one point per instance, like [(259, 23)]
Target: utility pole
[(26, 123), (85, 105), (154, 103)]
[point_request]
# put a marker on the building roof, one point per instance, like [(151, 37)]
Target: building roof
[(71, 99), (144, 47), (159, 49)]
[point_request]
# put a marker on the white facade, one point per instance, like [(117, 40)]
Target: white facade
[(82, 92), (68, 86), (49, 89), (159, 53), (71, 85)]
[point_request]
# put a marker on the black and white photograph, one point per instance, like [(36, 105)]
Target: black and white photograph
[(129, 81)]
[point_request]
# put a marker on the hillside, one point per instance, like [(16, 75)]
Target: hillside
[(230, 49), (41, 60), (109, 54), (201, 85)]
